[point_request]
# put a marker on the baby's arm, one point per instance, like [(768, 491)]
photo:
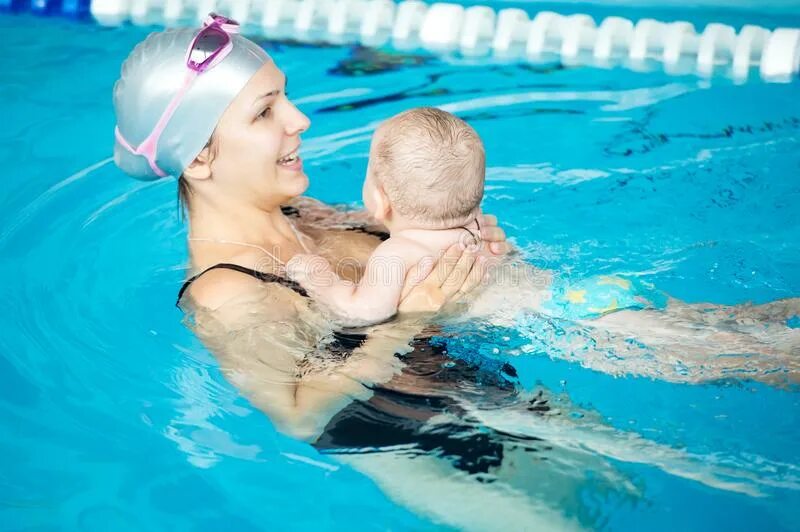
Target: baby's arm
[(375, 298)]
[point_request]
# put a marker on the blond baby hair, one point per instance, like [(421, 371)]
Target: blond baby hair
[(432, 166)]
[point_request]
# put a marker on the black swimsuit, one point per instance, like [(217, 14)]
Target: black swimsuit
[(294, 212), (368, 426), (343, 341), (394, 417), (261, 276)]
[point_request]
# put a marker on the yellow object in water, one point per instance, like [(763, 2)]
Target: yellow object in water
[(618, 281), (576, 296), (605, 310)]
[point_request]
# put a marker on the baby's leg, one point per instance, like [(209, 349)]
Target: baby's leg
[(694, 344), (769, 325), (675, 341), (745, 317)]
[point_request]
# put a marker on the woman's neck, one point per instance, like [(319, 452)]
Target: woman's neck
[(267, 228)]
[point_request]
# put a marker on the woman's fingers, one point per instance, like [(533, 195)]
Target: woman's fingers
[(499, 248), (423, 295), (458, 274), (488, 220), (495, 238), (422, 291), (493, 235), (429, 286), (475, 277), (446, 265), (420, 273)]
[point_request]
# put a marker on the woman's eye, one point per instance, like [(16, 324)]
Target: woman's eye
[(265, 113)]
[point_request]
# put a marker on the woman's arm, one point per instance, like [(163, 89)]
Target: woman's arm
[(262, 344), (262, 337)]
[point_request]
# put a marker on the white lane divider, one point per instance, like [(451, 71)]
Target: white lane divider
[(478, 30)]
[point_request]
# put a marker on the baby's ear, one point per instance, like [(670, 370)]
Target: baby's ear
[(383, 208)]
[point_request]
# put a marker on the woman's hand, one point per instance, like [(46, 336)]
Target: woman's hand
[(457, 273), (431, 285), (493, 235)]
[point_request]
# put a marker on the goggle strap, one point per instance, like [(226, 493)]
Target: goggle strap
[(230, 27), (149, 145)]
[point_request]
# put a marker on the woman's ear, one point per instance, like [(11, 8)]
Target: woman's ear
[(200, 168)]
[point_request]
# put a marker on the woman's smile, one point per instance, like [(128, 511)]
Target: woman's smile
[(292, 160)]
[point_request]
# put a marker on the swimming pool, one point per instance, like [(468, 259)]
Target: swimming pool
[(116, 417)]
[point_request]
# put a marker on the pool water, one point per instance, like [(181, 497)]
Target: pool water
[(114, 416)]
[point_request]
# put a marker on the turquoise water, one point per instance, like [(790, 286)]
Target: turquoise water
[(114, 416)]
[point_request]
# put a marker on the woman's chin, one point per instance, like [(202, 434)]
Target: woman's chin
[(295, 184)]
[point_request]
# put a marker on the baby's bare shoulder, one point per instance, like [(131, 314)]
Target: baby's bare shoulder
[(401, 247)]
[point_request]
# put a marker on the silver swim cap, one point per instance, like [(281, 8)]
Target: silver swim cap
[(152, 75)]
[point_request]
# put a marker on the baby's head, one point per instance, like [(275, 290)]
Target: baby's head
[(426, 166)]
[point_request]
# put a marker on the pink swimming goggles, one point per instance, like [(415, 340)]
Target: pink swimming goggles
[(209, 47)]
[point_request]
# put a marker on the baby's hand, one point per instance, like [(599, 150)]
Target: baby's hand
[(300, 266), (309, 269)]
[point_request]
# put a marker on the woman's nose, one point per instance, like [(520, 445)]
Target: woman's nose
[(296, 122)]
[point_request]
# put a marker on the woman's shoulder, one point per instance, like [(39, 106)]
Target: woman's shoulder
[(235, 301), (226, 282), (217, 286)]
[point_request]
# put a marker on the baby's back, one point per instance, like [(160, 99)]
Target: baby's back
[(416, 245)]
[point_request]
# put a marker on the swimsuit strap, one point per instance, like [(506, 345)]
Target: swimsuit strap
[(294, 212), (261, 276), (288, 210), (343, 342), (383, 235)]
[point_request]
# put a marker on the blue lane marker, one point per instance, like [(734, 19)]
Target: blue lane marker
[(45, 7), (14, 6), (75, 8)]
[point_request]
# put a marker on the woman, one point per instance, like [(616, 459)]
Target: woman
[(246, 216), (210, 107)]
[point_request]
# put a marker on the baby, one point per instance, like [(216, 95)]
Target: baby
[(425, 184)]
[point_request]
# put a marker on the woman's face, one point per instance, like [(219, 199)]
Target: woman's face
[(257, 143)]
